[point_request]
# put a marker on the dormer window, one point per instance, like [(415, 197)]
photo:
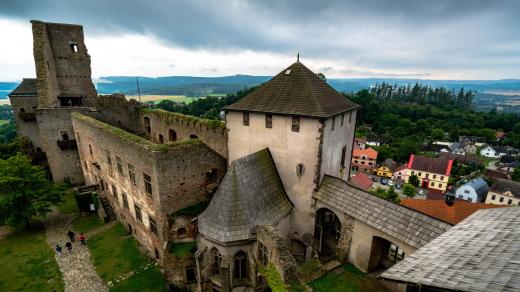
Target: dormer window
[(74, 48)]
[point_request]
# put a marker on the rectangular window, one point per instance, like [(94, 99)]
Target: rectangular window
[(245, 118), (509, 202), (119, 165), (268, 120), (442, 177), (434, 176), (350, 117), (493, 197), (440, 185), (190, 274), (153, 225), (138, 215), (263, 255), (147, 184), (125, 201), (131, 173), (342, 119), (295, 127), (114, 191), (333, 123), (501, 199), (109, 158), (432, 184), (343, 154)]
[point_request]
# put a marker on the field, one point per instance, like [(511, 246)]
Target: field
[(175, 98), (4, 101), (3, 122)]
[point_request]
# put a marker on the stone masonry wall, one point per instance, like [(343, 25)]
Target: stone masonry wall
[(26, 128), (61, 70), (52, 123), (279, 255), (115, 110), (345, 240), (164, 164), (210, 132)]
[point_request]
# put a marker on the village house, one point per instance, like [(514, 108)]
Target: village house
[(433, 173), (360, 143), (387, 168), (493, 151), (504, 192), (364, 160), (362, 180), (400, 173), (473, 191), (373, 140)]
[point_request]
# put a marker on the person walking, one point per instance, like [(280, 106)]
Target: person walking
[(71, 236), (82, 239), (69, 246), (58, 250)]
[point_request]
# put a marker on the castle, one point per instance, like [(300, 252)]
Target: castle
[(266, 187)]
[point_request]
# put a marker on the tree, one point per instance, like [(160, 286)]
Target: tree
[(437, 134), (414, 180), (409, 190), (516, 174), (25, 191), (391, 195)]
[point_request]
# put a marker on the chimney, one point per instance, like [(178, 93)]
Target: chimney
[(449, 197)]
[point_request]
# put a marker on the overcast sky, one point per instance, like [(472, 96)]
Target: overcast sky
[(431, 39)]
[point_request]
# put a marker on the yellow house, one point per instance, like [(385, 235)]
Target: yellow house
[(504, 192), (386, 169), (433, 173)]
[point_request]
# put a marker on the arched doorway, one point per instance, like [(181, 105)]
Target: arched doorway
[(193, 136), (327, 231), (172, 135), (147, 125), (161, 139), (383, 254)]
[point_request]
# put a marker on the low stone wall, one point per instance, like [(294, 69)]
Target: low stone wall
[(279, 255)]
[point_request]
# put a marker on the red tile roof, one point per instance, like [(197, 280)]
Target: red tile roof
[(439, 209), (369, 152), (362, 180), (430, 164)]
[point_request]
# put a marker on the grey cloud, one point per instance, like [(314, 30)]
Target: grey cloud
[(386, 34)]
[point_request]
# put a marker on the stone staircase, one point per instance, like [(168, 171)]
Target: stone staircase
[(110, 215)]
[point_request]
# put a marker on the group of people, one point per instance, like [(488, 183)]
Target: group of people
[(72, 237)]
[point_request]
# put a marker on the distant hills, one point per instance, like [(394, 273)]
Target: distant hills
[(202, 86)]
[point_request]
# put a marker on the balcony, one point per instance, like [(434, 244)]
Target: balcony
[(27, 116), (67, 144)]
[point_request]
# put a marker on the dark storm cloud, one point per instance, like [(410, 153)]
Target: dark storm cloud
[(385, 34)]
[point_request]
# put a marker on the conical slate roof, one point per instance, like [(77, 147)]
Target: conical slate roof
[(250, 194), (295, 91)]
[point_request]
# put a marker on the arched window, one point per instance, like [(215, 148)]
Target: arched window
[(240, 266), (161, 139), (192, 136), (147, 125), (216, 259), (172, 135)]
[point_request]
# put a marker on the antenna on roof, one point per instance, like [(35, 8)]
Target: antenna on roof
[(138, 90), (298, 57)]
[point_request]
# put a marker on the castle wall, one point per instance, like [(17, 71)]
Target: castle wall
[(62, 63), (177, 173), (288, 149), (333, 143), (210, 132), (27, 128), (52, 123), (115, 110)]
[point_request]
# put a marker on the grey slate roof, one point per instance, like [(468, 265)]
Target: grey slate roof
[(505, 185), (250, 194), (407, 225), (300, 92), (481, 253), (28, 87)]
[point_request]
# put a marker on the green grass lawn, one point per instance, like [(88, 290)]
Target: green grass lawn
[(350, 279), (183, 249), (27, 263), (115, 253), (69, 204), (3, 122), (86, 223)]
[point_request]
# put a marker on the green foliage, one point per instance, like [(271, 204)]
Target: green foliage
[(208, 108), (414, 180), (308, 269), (389, 194), (19, 144), (273, 278), (516, 174), (183, 249), (68, 204), (25, 190), (409, 190), (27, 262), (437, 134), (347, 278), (87, 223)]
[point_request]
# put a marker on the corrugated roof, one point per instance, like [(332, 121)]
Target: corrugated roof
[(453, 214), (479, 185), (295, 91), (28, 87), (250, 194), (505, 185), (407, 225), (481, 253)]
